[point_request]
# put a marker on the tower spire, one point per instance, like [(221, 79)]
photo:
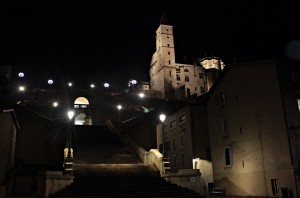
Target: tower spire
[(164, 20)]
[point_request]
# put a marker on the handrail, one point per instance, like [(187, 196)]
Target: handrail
[(151, 157)]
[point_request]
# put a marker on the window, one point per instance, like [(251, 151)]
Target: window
[(170, 73), (174, 144), (182, 159), (182, 139), (200, 75), (168, 45), (202, 89), (274, 187), (178, 77), (195, 88), (172, 126), (181, 118), (174, 161), (228, 156), (167, 146), (187, 79), (169, 62), (186, 70), (224, 126), (177, 70)]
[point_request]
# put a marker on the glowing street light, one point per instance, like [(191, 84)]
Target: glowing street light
[(55, 104), (50, 81), (21, 88), (119, 107), (92, 86), (133, 82), (21, 74), (106, 85), (162, 117), (71, 114), (70, 84), (142, 95)]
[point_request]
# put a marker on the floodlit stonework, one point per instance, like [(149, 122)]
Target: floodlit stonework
[(167, 76)]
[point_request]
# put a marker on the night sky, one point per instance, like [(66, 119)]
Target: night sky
[(114, 40)]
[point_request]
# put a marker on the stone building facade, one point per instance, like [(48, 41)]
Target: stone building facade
[(167, 76), (254, 122)]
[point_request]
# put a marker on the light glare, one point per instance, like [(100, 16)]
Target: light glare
[(21, 74), (50, 81), (162, 117), (106, 85), (70, 114), (119, 107), (21, 88)]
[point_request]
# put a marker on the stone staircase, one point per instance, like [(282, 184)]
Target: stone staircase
[(105, 168), (121, 180)]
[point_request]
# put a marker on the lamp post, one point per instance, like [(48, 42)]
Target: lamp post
[(68, 152), (162, 118), (119, 107)]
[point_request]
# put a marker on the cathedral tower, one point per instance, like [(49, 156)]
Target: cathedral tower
[(162, 68)]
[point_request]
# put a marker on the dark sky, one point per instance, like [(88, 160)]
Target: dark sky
[(105, 40)]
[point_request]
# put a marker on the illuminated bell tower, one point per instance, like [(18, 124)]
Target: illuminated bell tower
[(162, 68)]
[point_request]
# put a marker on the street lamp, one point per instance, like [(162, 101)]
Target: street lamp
[(55, 104), (21, 74), (162, 118), (21, 88), (68, 152), (142, 95), (106, 85), (119, 107), (70, 84)]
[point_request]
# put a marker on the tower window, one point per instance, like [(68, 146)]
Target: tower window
[(187, 79), (170, 73), (169, 62), (167, 36), (186, 70), (168, 53), (168, 45), (200, 75), (202, 89), (178, 77)]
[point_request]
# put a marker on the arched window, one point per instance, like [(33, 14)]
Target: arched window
[(187, 79), (186, 70), (178, 77)]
